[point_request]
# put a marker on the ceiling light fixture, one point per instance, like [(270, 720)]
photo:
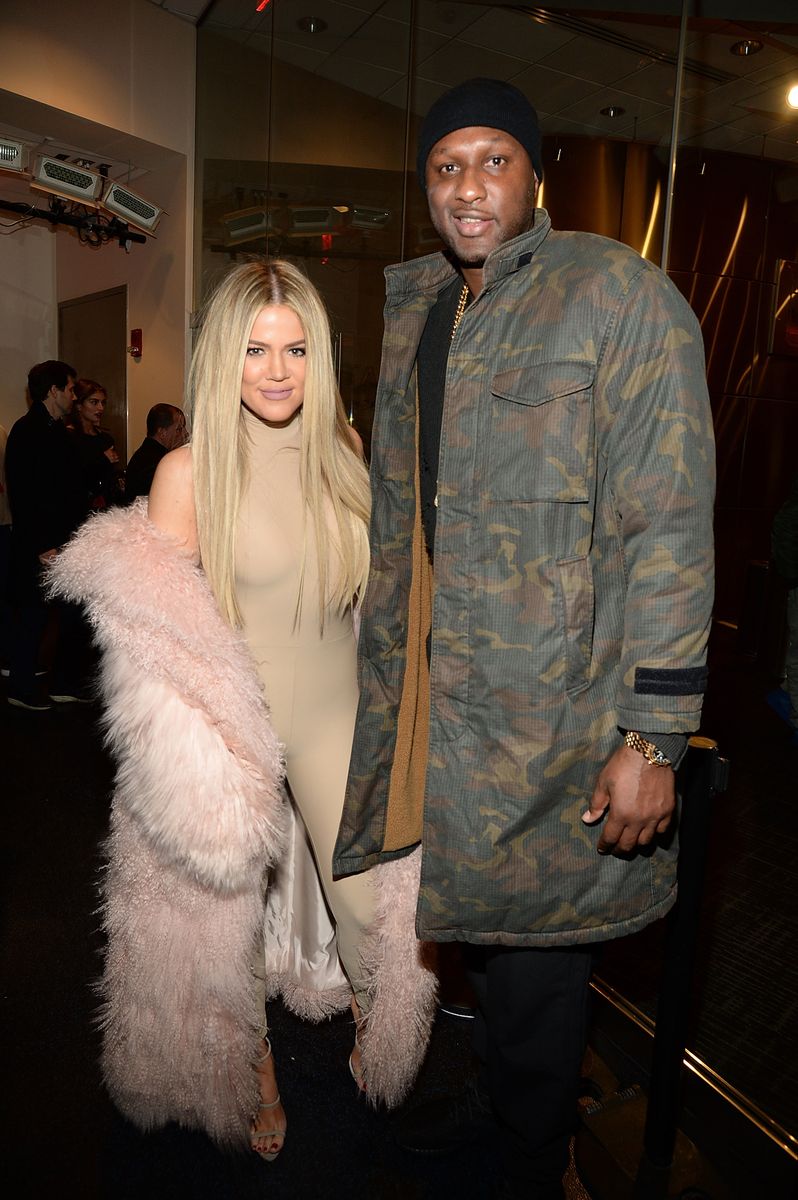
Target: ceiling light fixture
[(612, 110), (312, 24), (262, 5), (745, 48), (13, 156), (792, 96)]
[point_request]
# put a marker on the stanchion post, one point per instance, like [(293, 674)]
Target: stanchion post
[(703, 775)]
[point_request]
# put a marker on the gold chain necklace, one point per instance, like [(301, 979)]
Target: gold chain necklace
[(458, 316), (461, 307)]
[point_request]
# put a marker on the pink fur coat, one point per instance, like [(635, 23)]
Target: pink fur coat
[(198, 817)]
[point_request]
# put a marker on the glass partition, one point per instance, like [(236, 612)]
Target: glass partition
[(307, 120)]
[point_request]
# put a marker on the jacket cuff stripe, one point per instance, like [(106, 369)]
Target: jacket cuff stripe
[(653, 681)]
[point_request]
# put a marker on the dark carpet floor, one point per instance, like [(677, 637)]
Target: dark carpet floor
[(60, 1134), (745, 1008), (62, 1137)]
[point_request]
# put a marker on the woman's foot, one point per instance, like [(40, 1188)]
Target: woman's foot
[(269, 1125)]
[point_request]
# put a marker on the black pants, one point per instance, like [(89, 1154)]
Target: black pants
[(530, 1036), (71, 650)]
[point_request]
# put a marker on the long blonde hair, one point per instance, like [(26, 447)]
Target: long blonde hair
[(329, 464)]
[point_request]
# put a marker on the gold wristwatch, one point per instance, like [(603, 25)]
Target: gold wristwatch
[(649, 751)]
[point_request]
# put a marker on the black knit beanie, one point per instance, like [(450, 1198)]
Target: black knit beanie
[(486, 102)]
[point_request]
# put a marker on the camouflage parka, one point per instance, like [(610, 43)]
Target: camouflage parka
[(573, 583)]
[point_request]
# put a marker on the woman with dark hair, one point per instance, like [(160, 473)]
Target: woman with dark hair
[(95, 446)]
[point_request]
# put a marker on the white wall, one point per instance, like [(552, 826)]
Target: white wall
[(28, 325), (118, 82)]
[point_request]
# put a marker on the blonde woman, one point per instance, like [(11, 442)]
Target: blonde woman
[(272, 496), (225, 615)]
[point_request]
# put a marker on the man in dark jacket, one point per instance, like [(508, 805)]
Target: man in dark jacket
[(542, 449), (48, 502), (166, 430)]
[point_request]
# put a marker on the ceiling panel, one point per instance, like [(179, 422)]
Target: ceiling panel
[(447, 17), (341, 19), (658, 81), (552, 91), (363, 77), (715, 51), (306, 57), (569, 67), (424, 94), (657, 128), (530, 40), (596, 61), (661, 37), (458, 61), (721, 137), (381, 42), (588, 110)]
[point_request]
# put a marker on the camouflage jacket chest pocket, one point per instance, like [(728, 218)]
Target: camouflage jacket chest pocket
[(538, 439)]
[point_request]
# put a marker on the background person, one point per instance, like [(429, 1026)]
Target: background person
[(542, 447), (166, 430), (48, 502), (95, 446)]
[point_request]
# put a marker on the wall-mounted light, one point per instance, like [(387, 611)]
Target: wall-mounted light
[(94, 191), (247, 225), (69, 182), (746, 47), (133, 209), (370, 218), (792, 96), (13, 156)]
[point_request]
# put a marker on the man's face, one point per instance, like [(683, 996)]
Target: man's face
[(175, 435), (63, 400), (481, 191)]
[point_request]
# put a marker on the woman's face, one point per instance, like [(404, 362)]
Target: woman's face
[(90, 411), (273, 383)]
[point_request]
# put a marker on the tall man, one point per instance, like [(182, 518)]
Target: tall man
[(542, 449), (166, 430)]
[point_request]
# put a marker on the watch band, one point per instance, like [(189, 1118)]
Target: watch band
[(649, 751)]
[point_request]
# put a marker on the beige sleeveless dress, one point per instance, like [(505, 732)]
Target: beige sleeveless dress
[(310, 681)]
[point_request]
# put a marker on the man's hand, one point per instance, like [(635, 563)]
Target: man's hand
[(637, 798)]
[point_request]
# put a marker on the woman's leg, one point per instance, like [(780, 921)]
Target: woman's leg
[(322, 729)]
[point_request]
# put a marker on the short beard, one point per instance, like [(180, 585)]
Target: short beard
[(478, 262), (472, 263)]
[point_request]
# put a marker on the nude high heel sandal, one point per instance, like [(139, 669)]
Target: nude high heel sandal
[(263, 1135)]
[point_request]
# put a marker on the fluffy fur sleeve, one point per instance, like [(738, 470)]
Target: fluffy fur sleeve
[(200, 769)]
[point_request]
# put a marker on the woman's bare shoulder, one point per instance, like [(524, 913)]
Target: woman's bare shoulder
[(356, 440), (171, 500)]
